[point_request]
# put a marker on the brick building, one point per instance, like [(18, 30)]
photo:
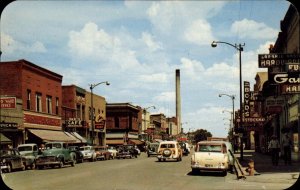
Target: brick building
[(123, 123), (39, 93)]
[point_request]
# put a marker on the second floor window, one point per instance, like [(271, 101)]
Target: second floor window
[(38, 102), (49, 104), (28, 99), (56, 106)]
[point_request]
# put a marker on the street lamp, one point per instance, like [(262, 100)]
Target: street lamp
[(92, 86), (232, 97), (145, 114), (240, 48)]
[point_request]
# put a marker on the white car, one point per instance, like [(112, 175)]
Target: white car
[(29, 152), (113, 151), (210, 156), (88, 153)]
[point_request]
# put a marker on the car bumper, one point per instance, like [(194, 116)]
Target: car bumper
[(209, 167), (167, 157)]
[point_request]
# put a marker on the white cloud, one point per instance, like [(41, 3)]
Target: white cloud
[(192, 68), (199, 32), (254, 30), (11, 46), (149, 41), (165, 97), (154, 78)]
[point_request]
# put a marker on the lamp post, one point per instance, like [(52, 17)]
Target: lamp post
[(232, 97), (240, 48), (92, 86), (145, 114)]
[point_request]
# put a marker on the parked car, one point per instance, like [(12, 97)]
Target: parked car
[(55, 154), (88, 153), (76, 153), (152, 149), (10, 160), (29, 152), (169, 150), (210, 156), (184, 147), (102, 153), (113, 151), (132, 149), (123, 152)]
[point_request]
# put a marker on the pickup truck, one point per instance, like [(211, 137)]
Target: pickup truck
[(55, 154)]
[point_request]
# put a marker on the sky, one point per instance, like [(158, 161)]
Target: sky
[(138, 45)]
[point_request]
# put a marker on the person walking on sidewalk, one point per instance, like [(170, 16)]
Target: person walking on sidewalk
[(287, 143), (274, 147)]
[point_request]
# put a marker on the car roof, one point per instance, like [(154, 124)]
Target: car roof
[(211, 142), (27, 144), (168, 142)]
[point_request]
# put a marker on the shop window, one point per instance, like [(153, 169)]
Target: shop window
[(117, 122)]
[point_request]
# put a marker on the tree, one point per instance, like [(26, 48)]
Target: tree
[(201, 134)]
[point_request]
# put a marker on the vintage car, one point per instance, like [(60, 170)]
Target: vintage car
[(184, 147), (102, 153), (169, 150), (152, 149), (55, 154), (10, 160), (113, 151), (76, 153), (29, 152), (88, 153), (210, 156), (124, 152)]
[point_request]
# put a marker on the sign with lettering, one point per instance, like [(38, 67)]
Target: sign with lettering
[(74, 122), (247, 96), (284, 78), (8, 102), (292, 67), (252, 120), (276, 59), (290, 88), (8, 125)]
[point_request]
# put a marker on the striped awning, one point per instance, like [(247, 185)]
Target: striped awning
[(50, 136)]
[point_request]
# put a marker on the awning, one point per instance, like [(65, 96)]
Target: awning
[(115, 141), (82, 139), (50, 136), (73, 137), (4, 139), (136, 141)]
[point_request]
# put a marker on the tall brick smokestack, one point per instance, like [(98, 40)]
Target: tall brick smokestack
[(178, 101)]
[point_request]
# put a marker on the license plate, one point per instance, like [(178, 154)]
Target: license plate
[(208, 165)]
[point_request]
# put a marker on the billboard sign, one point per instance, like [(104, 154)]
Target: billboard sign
[(290, 88)]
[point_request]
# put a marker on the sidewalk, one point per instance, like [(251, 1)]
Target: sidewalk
[(265, 171)]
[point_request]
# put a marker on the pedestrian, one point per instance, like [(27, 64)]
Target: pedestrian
[(287, 143), (274, 148)]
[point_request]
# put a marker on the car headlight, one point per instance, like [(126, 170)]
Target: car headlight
[(4, 160)]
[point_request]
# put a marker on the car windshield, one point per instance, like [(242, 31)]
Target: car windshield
[(167, 146), (25, 148), (84, 148), (209, 148), (53, 146)]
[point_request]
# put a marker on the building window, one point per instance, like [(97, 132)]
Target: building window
[(38, 102), (56, 106), (49, 104), (28, 99)]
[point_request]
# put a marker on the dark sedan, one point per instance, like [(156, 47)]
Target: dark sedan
[(76, 153), (11, 160)]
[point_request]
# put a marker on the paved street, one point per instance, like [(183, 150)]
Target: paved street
[(130, 174)]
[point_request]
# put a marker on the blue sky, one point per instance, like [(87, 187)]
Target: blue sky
[(138, 45)]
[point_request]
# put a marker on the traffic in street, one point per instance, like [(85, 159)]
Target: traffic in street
[(129, 174)]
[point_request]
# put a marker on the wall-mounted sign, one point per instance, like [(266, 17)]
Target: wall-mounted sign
[(8, 102), (252, 120), (286, 78), (290, 88), (292, 67), (276, 59), (4, 125), (247, 96), (74, 122)]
